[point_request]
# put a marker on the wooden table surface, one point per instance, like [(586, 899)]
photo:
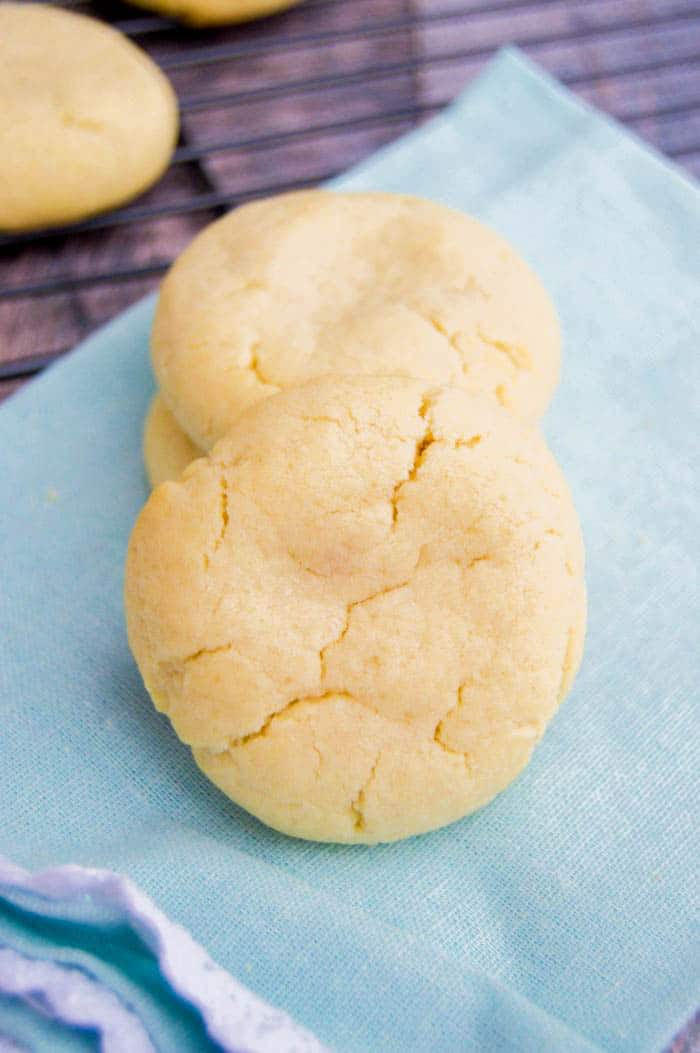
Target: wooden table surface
[(293, 99)]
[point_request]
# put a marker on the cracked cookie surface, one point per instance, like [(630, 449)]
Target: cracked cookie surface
[(362, 608), (87, 119), (319, 282)]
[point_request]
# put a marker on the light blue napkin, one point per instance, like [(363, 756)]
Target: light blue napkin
[(563, 916)]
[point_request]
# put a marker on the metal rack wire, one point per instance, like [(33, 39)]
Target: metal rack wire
[(291, 85)]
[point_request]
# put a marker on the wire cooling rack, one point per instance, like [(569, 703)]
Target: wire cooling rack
[(294, 99)]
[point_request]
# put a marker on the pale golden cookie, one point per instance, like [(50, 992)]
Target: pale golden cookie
[(363, 608), (166, 449), (215, 12), (318, 282), (87, 120)]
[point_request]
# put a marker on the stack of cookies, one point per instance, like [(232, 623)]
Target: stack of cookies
[(363, 601)]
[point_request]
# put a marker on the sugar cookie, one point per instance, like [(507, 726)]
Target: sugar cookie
[(318, 282), (87, 120), (362, 609), (166, 449), (215, 12)]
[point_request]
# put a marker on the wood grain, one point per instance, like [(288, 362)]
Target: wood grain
[(638, 59)]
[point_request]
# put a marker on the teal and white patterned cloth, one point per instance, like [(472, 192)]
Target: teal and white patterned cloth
[(563, 917)]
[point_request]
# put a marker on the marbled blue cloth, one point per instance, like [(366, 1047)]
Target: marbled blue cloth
[(562, 917)]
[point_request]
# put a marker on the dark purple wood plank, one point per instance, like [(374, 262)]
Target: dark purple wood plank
[(601, 47), (598, 45)]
